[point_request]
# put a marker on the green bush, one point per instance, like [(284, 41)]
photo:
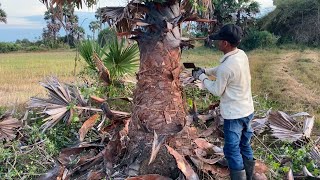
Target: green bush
[(9, 47), (34, 48), (258, 39)]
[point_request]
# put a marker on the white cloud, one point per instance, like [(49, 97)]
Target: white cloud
[(21, 8), (18, 10), (22, 23)]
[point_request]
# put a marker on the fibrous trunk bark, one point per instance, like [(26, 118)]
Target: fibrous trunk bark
[(158, 103)]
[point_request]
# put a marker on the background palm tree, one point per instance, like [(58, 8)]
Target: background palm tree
[(94, 26), (158, 105), (3, 15)]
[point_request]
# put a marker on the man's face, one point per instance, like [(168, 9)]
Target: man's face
[(220, 44)]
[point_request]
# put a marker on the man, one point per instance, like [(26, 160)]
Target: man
[(233, 85)]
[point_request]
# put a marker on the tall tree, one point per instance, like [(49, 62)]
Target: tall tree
[(3, 15), (158, 105), (94, 26), (70, 22), (50, 33), (241, 12)]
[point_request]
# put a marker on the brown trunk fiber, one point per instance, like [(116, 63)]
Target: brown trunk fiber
[(158, 104)]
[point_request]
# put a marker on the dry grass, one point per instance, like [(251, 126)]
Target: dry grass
[(21, 72), (289, 78), (202, 57)]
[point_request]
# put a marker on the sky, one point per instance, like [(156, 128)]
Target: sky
[(25, 17)]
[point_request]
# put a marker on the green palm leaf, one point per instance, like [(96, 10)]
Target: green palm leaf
[(86, 50), (121, 59)]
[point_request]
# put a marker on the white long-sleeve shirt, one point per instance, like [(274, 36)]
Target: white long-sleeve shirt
[(232, 84)]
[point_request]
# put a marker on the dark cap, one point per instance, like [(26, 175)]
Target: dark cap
[(230, 32)]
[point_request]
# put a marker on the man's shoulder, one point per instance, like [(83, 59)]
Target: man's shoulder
[(242, 53)]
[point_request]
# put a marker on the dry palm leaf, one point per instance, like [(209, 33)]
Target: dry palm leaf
[(216, 170), (91, 160), (87, 125), (183, 165), (284, 127), (157, 142), (54, 173), (259, 125), (8, 126), (124, 18), (149, 177), (103, 71), (290, 175), (307, 173), (64, 100), (287, 128), (315, 155), (307, 126)]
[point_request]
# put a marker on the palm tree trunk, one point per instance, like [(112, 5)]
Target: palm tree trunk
[(157, 99), (158, 104)]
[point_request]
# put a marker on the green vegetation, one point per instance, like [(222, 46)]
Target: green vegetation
[(294, 21), (258, 39), (121, 59)]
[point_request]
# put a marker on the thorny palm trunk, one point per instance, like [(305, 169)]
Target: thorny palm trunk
[(158, 104)]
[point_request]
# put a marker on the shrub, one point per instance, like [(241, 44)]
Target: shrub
[(35, 48), (9, 47), (258, 39)]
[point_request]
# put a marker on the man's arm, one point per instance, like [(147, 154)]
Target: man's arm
[(211, 71), (218, 86)]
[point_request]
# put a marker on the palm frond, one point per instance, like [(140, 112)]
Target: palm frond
[(87, 48), (103, 71), (121, 60), (59, 105), (123, 18), (287, 128), (315, 155), (284, 127), (8, 125)]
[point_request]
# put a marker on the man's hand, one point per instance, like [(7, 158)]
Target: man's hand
[(197, 72)]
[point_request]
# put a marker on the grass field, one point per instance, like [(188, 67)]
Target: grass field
[(21, 72), (287, 80)]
